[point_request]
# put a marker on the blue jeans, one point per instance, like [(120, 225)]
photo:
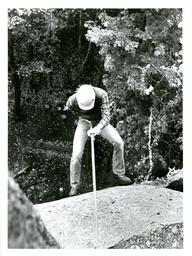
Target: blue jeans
[(109, 133)]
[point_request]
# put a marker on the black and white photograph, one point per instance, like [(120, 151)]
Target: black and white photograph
[(95, 128)]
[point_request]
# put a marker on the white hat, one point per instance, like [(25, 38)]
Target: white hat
[(85, 96)]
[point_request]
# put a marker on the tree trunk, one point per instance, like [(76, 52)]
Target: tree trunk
[(80, 33), (79, 46), (86, 57), (15, 81)]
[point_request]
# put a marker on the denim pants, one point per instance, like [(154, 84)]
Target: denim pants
[(109, 133)]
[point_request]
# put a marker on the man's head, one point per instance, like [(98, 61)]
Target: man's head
[(85, 96)]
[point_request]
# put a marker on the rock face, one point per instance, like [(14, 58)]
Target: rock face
[(167, 237), (25, 228), (122, 212)]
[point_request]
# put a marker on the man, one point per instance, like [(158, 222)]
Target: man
[(92, 105)]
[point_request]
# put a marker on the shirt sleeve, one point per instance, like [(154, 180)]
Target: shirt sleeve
[(69, 104), (105, 111)]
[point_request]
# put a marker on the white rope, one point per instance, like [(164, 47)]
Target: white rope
[(94, 186), (149, 144), (94, 189)]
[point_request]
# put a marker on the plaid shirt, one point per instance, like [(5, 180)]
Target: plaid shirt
[(105, 108)]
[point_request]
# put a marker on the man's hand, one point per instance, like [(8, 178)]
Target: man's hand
[(94, 131)]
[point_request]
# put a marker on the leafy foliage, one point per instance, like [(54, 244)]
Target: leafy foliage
[(142, 49)]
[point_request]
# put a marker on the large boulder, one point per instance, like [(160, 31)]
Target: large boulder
[(25, 228), (122, 212)]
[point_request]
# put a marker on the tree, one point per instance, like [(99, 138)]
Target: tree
[(142, 48), (48, 57), (48, 52)]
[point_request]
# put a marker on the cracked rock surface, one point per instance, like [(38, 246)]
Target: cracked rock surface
[(166, 237), (123, 212)]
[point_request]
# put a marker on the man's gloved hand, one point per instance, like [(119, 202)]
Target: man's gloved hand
[(94, 131)]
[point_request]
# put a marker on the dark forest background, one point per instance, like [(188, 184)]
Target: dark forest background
[(134, 54)]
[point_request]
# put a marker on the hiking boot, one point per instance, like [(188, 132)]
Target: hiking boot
[(74, 191), (122, 179)]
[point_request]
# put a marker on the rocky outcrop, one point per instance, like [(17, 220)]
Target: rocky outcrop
[(166, 237), (25, 228), (175, 180), (123, 212)]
